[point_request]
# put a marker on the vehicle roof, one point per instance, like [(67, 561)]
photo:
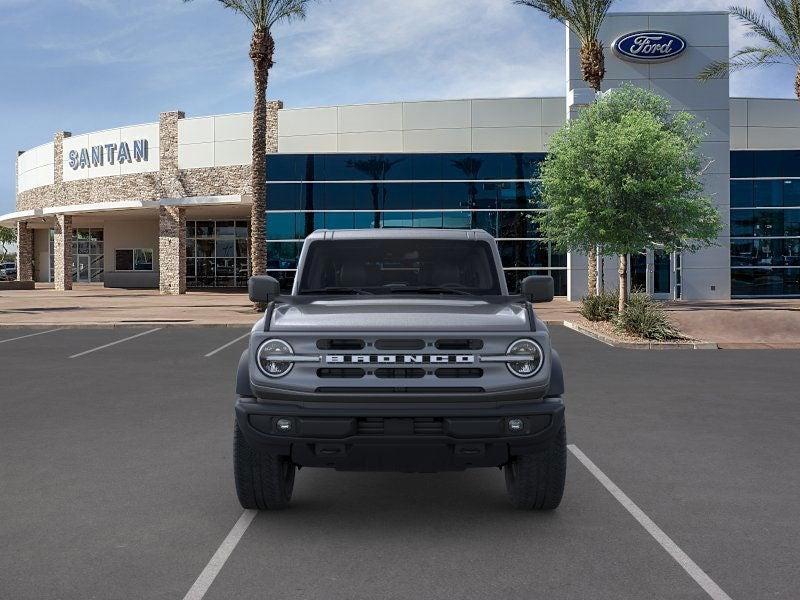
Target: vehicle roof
[(400, 233)]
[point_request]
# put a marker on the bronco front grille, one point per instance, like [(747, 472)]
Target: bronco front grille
[(399, 373), (416, 426)]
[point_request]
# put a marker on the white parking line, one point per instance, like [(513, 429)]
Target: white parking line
[(22, 337), (115, 343), (214, 566), (231, 343), (688, 565)]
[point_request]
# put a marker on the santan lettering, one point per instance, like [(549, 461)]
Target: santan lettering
[(97, 156), (645, 44)]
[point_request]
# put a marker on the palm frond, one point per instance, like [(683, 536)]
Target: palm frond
[(759, 26), (745, 58), (583, 17), (263, 14), (785, 14)]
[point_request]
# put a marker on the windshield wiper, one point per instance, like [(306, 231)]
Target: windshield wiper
[(431, 290), (337, 290)]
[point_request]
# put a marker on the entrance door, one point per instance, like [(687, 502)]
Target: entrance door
[(638, 269), (651, 272), (83, 268), (662, 272)]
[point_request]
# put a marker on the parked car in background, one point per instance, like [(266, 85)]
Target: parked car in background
[(8, 271)]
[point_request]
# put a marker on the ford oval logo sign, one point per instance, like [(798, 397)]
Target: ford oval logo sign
[(649, 46)]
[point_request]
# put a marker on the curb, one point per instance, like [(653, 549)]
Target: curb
[(639, 345)]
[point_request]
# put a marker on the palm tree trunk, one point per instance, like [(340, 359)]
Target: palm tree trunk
[(593, 70), (261, 51), (623, 282), (593, 67)]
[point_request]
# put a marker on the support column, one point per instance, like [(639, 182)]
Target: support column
[(62, 251), (171, 250), (24, 252)]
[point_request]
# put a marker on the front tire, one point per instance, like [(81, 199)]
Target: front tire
[(536, 481), (263, 481)]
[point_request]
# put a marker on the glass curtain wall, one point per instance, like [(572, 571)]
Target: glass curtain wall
[(88, 262), (217, 253), (765, 223), (495, 192)]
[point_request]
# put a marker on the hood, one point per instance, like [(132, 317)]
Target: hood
[(400, 314)]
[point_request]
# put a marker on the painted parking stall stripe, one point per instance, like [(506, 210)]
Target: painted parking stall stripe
[(228, 345), (22, 337), (132, 337), (695, 572), (214, 566)]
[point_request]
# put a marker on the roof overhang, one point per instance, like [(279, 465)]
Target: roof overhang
[(13, 218)]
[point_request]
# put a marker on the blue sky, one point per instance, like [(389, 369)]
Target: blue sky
[(84, 65)]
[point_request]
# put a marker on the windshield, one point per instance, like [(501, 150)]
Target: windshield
[(383, 266)]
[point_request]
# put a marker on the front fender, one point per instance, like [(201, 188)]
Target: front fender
[(556, 376), (243, 377)]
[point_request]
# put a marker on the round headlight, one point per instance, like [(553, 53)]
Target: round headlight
[(270, 367), (530, 366)]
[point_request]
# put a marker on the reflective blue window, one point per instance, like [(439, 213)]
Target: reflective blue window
[(742, 164), (426, 166), (791, 192), (338, 196), (768, 193), (381, 167), (429, 195), (339, 220), (741, 194), (398, 219), (457, 220), (431, 220), (283, 255), (398, 196), (525, 253), (283, 196), (765, 282), (282, 226)]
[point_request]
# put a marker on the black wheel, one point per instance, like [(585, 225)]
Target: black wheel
[(263, 481), (536, 481)]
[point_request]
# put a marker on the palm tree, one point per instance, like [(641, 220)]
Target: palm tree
[(263, 15), (376, 168), (779, 38), (584, 19)]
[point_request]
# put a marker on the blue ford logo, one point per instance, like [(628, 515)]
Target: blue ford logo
[(649, 46)]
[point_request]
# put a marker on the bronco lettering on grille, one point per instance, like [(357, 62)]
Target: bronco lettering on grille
[(391, 359)]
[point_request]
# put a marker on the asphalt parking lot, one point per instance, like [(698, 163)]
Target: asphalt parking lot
[(116, 482)]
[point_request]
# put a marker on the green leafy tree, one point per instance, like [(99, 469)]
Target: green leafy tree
[(778, 40), (584, 19), (263, 15), (8, 236), (627, 174)]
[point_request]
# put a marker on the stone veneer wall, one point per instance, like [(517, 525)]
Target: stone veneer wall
[(62, 251), (169, 182), (24, 252), (172, 250)]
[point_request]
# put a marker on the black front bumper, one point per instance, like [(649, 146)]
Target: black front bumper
[(415, 437)]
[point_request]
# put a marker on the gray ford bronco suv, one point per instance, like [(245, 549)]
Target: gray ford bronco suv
[(400, 350)]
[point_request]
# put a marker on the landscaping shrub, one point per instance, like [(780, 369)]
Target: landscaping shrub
[(644, 317), (601, 307)]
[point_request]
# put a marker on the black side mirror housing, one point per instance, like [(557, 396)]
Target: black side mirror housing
[(537, 288), (263, 288)]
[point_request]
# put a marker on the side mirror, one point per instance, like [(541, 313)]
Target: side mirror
[(537, 288), (263, 288)]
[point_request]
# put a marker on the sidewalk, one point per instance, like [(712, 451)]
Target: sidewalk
[(90, 305), (732, 324)]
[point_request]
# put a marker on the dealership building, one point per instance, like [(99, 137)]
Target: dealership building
[(167, 204)]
